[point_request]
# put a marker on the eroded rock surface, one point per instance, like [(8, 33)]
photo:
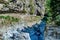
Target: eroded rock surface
[(29, 6)]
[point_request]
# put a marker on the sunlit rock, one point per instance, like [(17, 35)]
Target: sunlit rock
[(34, 7), (16, 35), (1, 6), (5, 9)]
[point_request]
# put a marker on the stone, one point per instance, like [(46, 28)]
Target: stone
[(1, 6), (15, 35), (5, 9), (30, 6)]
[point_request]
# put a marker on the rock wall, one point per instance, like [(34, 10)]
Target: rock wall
[(30, 6)]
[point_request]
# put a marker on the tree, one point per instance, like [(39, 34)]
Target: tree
[(53, 11)]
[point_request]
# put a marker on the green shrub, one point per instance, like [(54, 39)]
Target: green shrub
[(52, 11), (8, 19)]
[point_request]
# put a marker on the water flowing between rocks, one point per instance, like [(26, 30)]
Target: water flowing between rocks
[(20, 32)]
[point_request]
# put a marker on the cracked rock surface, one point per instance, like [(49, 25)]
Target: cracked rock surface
[(30, 6)]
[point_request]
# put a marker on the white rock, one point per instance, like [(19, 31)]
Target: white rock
[(13, 34), (1, 6)]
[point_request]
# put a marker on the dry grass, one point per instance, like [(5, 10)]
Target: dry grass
[(5, 20), (29, 19)]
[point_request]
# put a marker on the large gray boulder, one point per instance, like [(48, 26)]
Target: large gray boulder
[(16, 35)]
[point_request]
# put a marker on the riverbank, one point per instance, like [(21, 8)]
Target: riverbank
[(24, 20)]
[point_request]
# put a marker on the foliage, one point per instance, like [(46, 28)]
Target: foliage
[(57, 19), (48, 11), (53, 11), (31, 7), (8, 19)]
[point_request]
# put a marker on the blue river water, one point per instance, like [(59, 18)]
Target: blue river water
[(36, 32)]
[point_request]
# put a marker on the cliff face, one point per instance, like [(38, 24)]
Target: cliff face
[(28, 6)]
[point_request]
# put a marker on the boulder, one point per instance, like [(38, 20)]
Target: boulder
[(16, 35), (1, 6)]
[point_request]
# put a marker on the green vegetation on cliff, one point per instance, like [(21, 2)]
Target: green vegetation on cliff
[(8, 19), (53, 11)]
